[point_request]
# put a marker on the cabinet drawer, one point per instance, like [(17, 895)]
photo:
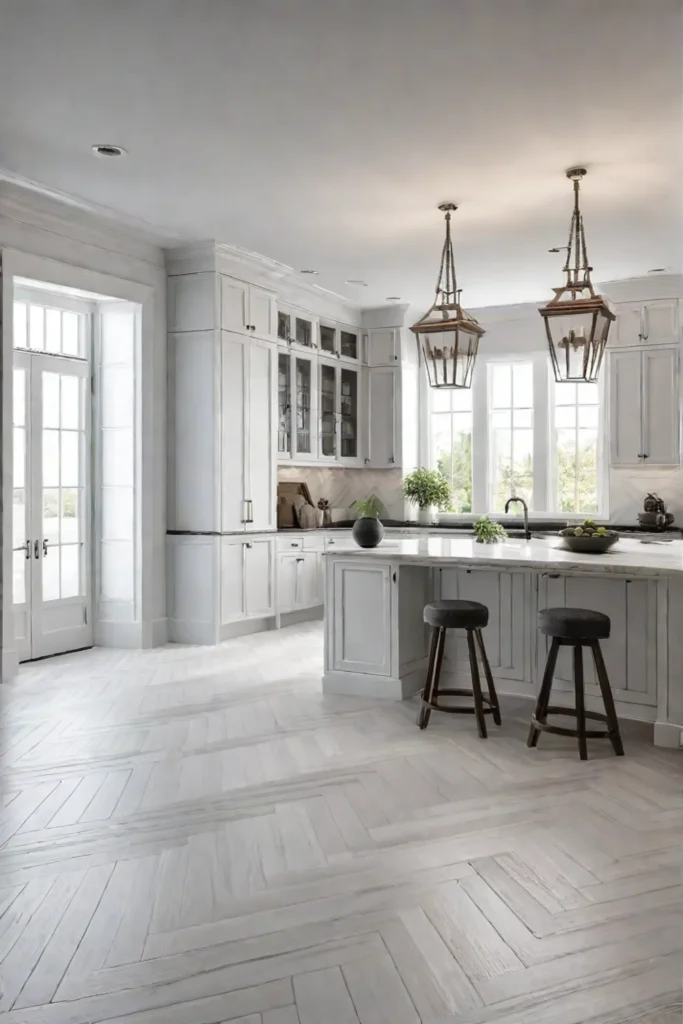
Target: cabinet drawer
[(314, 543), (290, 543)]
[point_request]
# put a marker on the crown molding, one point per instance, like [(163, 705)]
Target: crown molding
[(39, 205)]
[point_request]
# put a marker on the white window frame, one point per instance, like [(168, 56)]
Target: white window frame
[(544, 490)]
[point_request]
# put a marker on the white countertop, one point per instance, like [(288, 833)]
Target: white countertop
[(626, 557)]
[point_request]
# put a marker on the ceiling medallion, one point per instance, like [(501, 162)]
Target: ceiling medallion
[(577, 321), (449, 337)]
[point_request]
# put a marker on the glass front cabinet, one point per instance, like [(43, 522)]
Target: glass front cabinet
[(297, 402)]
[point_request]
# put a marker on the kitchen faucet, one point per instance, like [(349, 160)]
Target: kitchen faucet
[(522, 502)]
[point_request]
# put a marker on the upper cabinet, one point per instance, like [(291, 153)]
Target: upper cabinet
[(383, 438), (247, 308), (296, 327), (382, 347), (645, 407), (655, 322)]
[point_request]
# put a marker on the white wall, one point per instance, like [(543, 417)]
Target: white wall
[(51, 241)]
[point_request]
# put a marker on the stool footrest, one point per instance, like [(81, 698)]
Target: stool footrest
[(454, 709)]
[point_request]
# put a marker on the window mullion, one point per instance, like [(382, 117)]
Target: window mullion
[(542, 438)]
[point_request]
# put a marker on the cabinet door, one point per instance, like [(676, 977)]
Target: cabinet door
[(348, 343), (381, 442), (348, 408), (327, 396), (262, 312), (304, 407), (232, 579), (287, 578), (260, 435), (382, 347), (328, 338), (284, 405), (661, 407), (234, 304), (660, 321), (506, 594), (308, 593), (625, 376), (258, 577), (628, 329), (232, 465), (630, 653), (361, 631)]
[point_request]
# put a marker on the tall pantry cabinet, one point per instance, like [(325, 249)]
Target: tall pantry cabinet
[(223, 466)]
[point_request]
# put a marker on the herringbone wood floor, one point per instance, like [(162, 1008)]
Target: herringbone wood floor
[(193, 836)]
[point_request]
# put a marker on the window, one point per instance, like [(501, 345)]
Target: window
[(518, 432), (575, 448), (511, 403), (452, 443), (46, 329)]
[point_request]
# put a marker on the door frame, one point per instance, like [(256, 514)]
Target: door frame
[(146, 626)]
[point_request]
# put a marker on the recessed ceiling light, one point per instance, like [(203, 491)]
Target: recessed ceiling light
[(309, 271), (107, 149), (356, 282), (657, 270), (393, 298)]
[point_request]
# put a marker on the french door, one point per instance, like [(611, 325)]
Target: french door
[(51, 507)]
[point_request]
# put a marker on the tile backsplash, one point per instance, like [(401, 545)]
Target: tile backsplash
[(343, 486)]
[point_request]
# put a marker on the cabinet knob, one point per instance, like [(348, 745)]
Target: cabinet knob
[(248, 545), (646, 456)]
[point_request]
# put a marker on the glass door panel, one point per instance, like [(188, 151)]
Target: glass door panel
[(328, 411), (304, 332), (284, 404), (21, 544), (328, 339), (349, 344), (303, 406), (349, 414)]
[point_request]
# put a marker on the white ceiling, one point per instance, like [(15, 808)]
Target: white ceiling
[(323, 133)]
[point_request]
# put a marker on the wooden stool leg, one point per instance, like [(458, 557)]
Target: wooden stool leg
[(476, 686), (424, 713), (607, 699), (493, 696), (580, 702), (541, 712)]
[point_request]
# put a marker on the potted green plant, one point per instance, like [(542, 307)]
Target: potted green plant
[(429, 491), (368, 530), (488, 532)]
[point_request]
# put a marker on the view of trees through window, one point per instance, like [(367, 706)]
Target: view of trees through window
[(506, 448), (576, 447)]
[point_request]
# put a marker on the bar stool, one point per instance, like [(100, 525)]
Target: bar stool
[(577, 628), (472, 617)]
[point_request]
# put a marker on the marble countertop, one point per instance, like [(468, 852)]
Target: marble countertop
[(630, 557)]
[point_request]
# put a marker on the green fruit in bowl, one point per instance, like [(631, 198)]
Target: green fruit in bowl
[(601, 531), (567, 532), (578, 531), (589, 522)]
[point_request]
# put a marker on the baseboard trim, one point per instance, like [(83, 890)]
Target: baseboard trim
[(382, 687), (127, 635), (301, 615), (668, 734), (182, 631), (246, 626)]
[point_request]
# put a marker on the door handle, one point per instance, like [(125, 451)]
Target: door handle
[(25, 547), (45, 547), (250, 503)]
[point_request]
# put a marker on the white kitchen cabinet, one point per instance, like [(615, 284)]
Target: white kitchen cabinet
[(382, 436), (299, 581), (247, 308), (644, 407), (328, 405), (247, 578), (655, 322), (361, 633), (630, 653), (506, 594), (247, 464), (382, 346)]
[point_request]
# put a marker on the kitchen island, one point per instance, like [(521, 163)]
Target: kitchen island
[(376, 641)]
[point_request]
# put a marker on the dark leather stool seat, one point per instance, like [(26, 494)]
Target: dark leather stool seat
[(576, 628), (574, 623), (456, 615), (472, 617)]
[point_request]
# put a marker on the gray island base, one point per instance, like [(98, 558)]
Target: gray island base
[(376, 642)]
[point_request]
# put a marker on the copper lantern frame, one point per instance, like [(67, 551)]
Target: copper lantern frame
[(447, 335), (577, 321)]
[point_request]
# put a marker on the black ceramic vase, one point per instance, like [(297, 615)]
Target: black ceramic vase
[(367, 531)]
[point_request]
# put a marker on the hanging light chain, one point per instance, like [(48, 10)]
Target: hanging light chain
[(579, 273), (446, 283)]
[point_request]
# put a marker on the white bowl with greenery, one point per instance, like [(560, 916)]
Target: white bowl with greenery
[(488, 532)]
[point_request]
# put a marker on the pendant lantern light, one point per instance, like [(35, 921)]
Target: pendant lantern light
[(449, 337), (577, 321)]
